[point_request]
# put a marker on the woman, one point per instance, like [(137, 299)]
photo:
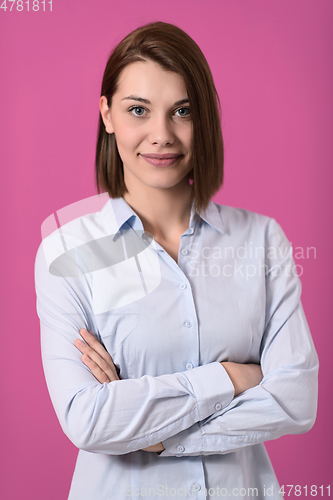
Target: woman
[(195, 345)]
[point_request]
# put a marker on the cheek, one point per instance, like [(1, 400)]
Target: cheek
[(128, 139), (186, 136)]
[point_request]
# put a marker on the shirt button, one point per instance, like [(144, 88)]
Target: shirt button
[(218, 406), (184, 251), (188, 324), (180, 448), (182, 286), (189, 366), (196, 487)]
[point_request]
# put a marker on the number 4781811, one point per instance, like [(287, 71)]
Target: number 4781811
[(298, 490), (27, 5)]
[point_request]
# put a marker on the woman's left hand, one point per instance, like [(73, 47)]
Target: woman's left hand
[(96, 358), (157, 448)]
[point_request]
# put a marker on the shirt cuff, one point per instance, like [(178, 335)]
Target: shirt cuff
[(212, 388), (188, 442)]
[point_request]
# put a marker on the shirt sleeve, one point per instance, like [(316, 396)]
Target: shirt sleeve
[(122, 416), (285, 402)]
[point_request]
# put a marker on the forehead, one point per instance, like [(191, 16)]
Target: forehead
[(149, 80)]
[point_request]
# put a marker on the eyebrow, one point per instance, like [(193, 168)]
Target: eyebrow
[(141, 99)]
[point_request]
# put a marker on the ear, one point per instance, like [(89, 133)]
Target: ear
[(106, 114)]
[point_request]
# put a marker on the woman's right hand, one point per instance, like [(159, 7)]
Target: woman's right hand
[(243, 376)]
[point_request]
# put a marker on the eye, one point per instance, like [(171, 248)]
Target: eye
[(182, 114), (137, 108)]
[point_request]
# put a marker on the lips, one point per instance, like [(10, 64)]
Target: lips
[(166, 156), (159, 160)]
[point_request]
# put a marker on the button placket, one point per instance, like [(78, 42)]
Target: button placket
[(189, 314)]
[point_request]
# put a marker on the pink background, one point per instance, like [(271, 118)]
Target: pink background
[(272, 65)]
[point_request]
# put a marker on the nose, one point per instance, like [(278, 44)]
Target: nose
[(161, 131)]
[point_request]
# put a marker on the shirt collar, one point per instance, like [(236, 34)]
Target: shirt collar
[(211, 216), (117, 213)]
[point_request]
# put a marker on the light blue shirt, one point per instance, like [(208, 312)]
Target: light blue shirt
[(233, 296)]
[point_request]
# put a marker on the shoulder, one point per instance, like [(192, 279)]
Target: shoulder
[(235, 218), (249, 224), (72, 227)]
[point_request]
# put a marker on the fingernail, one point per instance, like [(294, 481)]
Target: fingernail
[(80, 342)]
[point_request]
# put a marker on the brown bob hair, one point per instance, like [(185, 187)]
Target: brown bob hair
[(173, 50)]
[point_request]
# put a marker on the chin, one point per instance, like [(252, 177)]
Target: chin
[(159, 181), (166, 185)]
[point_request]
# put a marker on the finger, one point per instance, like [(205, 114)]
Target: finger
[(157, 448), (92, 341), (103, 366), (97, 353), (97, 372)]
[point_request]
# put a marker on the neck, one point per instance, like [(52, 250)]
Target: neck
[(164, 212)]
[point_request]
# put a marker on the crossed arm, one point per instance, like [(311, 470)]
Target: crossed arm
[(99, 362), (211, 409)]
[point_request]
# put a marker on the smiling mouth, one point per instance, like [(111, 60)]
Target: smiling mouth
[(166, 156), (161, 160)]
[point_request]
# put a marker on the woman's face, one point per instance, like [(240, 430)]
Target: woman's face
[(150, 115)]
